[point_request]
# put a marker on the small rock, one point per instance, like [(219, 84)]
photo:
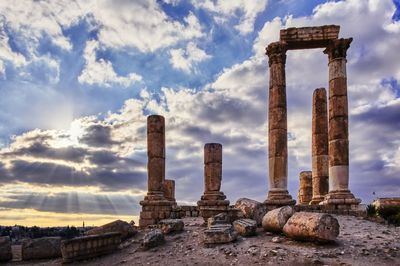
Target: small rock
[(221, 218), (245, 227), (219, 233), (276, 239), (171, 225), (152, 239)]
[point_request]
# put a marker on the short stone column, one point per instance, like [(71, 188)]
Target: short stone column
[(155, 206), (169, 190), (320, 157), (278, 194), (339, 196), (305, 188), (213, 200)]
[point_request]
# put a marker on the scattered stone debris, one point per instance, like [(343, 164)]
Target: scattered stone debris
[(86, 247), (153, 239), (125, 229), (312, 227), (220, 218), (171, 225), (5, 248), (219, 233), (245, 227), (275, 220), (41, 248), (251, 209)]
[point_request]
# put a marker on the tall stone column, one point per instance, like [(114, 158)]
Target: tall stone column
[(277, 127), (155, 206), (320, 158), (339, 194), (213, 201), (156, 156)]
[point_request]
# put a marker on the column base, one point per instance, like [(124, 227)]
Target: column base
[(213, 195), (316, 200), (208, 206), (154, 210), (279, 198), (340, 200)]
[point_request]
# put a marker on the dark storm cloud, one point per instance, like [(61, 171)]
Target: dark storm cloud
[(41, 150), (109, 179), (387, 116), (74, 203), (98, 136)]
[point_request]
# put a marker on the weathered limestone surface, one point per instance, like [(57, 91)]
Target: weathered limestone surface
[(339, 195), (41, 248), (251, 209), (86, 247), (5, 248), (171, 225), (213, 201), (169, 190), (220, 218), (153, 239), (320, 157), (275, 220), (125, 229), (219, 234), (309, 37), (155, 206), (277, 127), (312, 227), (305, 188), (245, 227)]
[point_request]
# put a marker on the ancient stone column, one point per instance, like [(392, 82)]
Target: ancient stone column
[(213, 201), (305, 187), (213, 171), (155, 206), (320, 158), (339, 193), (169, 189), (277, 127), (156, 156)]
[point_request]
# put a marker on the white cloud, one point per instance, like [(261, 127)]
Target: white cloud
[(185, 59), (100, 72), (245, 11)]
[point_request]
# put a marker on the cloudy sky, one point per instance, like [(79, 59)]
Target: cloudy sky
[(78, 78)]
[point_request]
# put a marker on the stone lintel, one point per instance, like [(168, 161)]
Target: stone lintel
[(309, 37)]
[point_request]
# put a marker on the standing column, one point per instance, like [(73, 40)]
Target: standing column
[(305, 188), (320, 158), (213, 172), (169, 190), (156, 156), (339, 193), (277, 127), (213, 201)]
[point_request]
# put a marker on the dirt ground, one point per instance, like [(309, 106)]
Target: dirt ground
[(360, 242)]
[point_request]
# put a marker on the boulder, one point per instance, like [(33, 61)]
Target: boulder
[(251, 209), (312, 226), (221, 218), (125, 229), (153, 239), (41, 248), (275, 220), (245, 227), (171, 225), (219, 234), (5, 248)]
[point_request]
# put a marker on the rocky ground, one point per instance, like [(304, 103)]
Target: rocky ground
[(360, 242)]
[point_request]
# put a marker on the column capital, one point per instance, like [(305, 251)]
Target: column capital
[(276, 52), (338, 48)]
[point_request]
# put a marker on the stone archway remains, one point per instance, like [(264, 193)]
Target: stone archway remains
[(339, 196)]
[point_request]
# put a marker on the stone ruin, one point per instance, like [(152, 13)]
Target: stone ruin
[(339, 195), (326, 187)]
